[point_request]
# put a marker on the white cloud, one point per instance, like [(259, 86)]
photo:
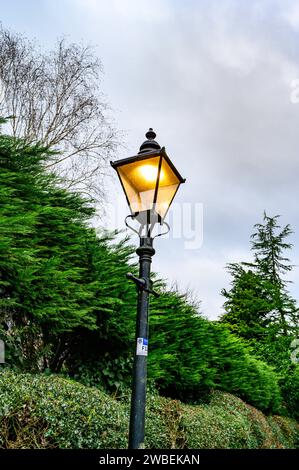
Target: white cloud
[(291, 15), (129, 11)]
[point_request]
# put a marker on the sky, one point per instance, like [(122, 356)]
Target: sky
[(219, 83)]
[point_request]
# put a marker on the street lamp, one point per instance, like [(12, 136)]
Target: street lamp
[(150, 182)]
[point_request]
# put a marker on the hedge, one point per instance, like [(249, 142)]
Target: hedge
[(48, 411)]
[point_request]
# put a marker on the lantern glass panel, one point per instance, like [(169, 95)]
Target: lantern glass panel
[(139, 180), (168, 185), (150, 184)]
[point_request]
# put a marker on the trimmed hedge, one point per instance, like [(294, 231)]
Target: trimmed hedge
[(228, 422), (39, 411)]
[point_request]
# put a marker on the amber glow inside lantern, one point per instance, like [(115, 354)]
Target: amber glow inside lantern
[(149, 180)]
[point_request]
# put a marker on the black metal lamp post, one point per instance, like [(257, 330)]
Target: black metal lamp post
[(150, 182)]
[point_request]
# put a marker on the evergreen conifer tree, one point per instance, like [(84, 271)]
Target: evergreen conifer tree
[(247, 304), (259, 302), (269, 243)]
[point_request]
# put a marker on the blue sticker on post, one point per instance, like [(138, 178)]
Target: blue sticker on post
[(142, 344)]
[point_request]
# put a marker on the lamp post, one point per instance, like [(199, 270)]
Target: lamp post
[(150, 182)]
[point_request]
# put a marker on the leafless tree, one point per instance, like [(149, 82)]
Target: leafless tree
[(54, 98)]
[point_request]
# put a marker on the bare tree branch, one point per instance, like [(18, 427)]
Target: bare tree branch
[(54, 99)]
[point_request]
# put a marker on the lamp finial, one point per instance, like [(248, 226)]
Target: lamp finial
[(150, 143)]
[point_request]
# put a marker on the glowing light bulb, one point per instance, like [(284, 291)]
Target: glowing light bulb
[(150, 172)]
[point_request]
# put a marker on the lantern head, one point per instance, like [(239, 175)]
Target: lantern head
[(149, 180)]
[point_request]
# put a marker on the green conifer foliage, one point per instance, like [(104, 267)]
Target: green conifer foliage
[(269, 243), (65, 304), (258, 303), (56, 276), (248, 303)]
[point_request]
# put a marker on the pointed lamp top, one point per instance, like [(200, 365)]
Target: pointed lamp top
[(149, 144)]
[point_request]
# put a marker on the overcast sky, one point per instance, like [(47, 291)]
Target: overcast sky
[(214, 79)]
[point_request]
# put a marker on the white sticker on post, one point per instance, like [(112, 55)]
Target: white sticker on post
[(142, 344)]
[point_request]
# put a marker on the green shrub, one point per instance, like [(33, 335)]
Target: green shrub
[(227, 422), (39, 411), (223, 423), (290, 391), (276, 350), (61, 413)]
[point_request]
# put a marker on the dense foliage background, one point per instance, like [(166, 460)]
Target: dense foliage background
[(66, 307)]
